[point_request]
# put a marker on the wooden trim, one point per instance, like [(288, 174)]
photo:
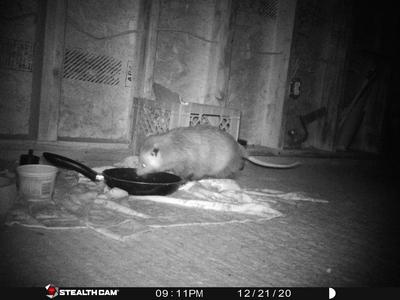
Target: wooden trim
[(145, 52), (102, 153), (334, 76), (272, 108), (220, 53), (12, 149), (17, 144), (142, 55), (53, 52), (92, 140), (37, 70), (150, 49)]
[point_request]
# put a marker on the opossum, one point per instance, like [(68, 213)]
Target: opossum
[(196, 152)]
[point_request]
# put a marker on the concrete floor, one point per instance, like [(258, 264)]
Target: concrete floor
[(351, 241)]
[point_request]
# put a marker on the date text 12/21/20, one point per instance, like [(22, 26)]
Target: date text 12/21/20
[(264, 293)]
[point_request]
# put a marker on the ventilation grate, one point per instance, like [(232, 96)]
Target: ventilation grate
[(85, 66), (268, 8), (154, 120), (222, 122), (263, 8), (16, 55)]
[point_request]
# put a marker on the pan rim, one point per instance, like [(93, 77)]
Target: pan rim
[(179, 179)]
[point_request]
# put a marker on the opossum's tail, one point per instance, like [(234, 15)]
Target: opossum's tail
[(271, 165)]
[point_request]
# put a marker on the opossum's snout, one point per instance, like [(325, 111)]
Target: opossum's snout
[(149, 162), (140, 170)]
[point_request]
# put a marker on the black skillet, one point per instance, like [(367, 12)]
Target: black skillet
[(123, 178)]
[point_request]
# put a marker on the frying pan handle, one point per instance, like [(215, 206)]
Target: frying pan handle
[(67, 163)]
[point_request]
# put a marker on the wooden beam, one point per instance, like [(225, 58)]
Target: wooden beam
[(150, 50), (147, 24), (334, 74), (220, 53), (272, 108), (37, 70), (53, 52)]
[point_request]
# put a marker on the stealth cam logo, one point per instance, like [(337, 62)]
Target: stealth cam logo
[(51, 291)]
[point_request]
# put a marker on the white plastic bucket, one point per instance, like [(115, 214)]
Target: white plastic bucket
[(36, 182)]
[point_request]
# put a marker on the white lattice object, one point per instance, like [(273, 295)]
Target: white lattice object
[(153, 117)]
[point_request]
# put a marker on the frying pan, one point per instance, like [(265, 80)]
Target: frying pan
[(124, 178)]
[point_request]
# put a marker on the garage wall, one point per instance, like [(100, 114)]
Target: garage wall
[(18, 42), (96, 56)]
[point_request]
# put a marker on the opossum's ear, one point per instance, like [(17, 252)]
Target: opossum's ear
[(154, 152)]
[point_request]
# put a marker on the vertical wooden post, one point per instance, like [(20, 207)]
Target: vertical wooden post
[(37, 70), (272, 108), (145, 52), (333, 72), (150, 50), (146, 47), (219, 63), (53, 52)]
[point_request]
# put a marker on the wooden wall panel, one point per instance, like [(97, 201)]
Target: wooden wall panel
[(318, 59), (260, 54), (101, 38), (50, 88), (191, 47), (18, 32)]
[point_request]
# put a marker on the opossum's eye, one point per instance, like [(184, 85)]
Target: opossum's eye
[(154, 152)]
